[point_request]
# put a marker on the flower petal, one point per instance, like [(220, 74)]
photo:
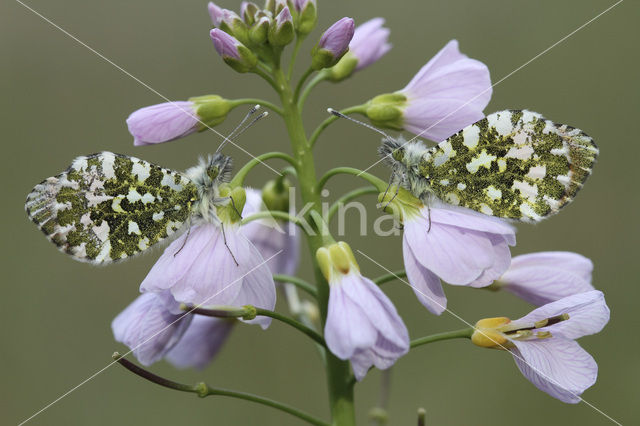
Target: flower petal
[(588, 314), (257, 287), (149, 326), (425, 284), (163, 122), (541, 278), (201, 342), (457, 255), (348, 327), (200, 270), (559, 367), (437, 119)]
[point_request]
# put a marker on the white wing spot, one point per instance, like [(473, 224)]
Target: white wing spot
[(494, 193), (471, 136), (133, 228), (501, 121), (481, 160), (142, 170)]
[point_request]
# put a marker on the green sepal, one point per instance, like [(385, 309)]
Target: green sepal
[(237, 29), (226, 212), (258, 32), (281, 36), (343, 69), (307, 19), (211, 109), (387, 110), (323, 58), (246, 63), (275, 195)]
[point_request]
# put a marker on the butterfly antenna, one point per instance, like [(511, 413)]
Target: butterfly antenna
[(238, 128), (255, 120), (368, 126)]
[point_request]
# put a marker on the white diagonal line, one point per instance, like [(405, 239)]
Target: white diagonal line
[(154, 335), (185, 110), (502, 79), (490, 338)]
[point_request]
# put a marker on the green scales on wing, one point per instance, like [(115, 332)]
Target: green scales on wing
[(107, 206), (513, 164)]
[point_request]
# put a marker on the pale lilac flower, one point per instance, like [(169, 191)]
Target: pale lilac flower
[(199, 269), (333, 44), (543, 343), (447, 94), (545, 277), (455, 244), (362, 324), (216, 13), (281, 31), (369, 43), (225, 44), (271, 236), (150, 326), (233, 52), (163, 122), (201, 342)]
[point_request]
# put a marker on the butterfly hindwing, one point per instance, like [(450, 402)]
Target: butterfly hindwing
[(513, 164), (108, 206)]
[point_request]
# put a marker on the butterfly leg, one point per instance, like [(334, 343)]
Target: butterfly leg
[(185, 240), (395, 194), (391, 179), (224, 237), (429, 216), (233, 204)]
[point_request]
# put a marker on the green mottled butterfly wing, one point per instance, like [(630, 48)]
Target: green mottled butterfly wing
[(108, 206), (512, 164)]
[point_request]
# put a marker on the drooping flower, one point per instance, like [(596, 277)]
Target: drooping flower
[(232, 51), (200, 268), (151, 325), (272, 236), (362, 324), (457, 245), (173, 120), (543, 343), (446, 95), (333, 44), (201, 342), (545, 277), (369, 43)]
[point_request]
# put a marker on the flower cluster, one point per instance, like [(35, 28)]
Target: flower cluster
[(221, 260)]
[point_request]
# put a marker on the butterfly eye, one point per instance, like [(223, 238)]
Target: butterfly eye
[(213, 172)]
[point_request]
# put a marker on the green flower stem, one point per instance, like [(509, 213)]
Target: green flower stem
[(299, 39), (238, 179), (390, 277), (301, 284), (331, 119), (252, 101), (348, 197), (303, 78), (274, 214), (293, 323), (340, 385), (321, 76), (250, 312), (457, 334), (380, 185), (203, 390), (266, 78)]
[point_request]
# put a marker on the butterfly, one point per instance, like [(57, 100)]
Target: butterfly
[(512, 164), (107, 206)]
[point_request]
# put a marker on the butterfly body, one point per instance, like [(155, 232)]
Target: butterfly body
[(107, 206), (513, 164)]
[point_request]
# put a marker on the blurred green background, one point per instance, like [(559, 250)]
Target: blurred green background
[(59, 100)]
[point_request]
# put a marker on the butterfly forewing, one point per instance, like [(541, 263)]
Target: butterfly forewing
[(108, 206), (513, 164)]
